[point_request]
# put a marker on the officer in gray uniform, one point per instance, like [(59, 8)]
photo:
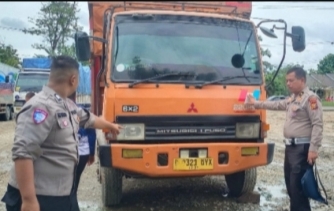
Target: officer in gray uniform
[(302, 131), (45, 149)]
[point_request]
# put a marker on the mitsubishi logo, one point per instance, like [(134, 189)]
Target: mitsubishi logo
[(192, 108)]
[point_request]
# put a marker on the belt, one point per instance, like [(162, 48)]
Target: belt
[(293, 141)]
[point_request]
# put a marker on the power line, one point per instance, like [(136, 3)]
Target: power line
[(309, 43), (257, 18), (10, 28)]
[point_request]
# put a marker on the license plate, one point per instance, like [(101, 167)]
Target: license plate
[(186, 164)]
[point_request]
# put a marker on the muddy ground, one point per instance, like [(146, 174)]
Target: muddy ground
[(195, 194)]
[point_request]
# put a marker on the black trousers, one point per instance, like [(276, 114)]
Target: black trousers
[(295, 165), (12, 199), (80, 168)]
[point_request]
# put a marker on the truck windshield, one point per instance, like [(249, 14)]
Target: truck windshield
[(32, 82), (144, 48)]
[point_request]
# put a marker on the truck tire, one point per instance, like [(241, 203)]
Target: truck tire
[(11, 113), (111, 186), (241, 182), (6, 115)]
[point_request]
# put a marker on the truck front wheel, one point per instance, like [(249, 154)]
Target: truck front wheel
[(241, 182), (111, 186)]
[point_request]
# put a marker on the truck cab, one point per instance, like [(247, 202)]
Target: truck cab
[(33, 76), (175, 75)]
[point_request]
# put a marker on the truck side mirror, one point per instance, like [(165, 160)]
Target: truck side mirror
[(298, 38), (82, 46), (7, 79)]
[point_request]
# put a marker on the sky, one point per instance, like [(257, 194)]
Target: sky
[(315, 17)]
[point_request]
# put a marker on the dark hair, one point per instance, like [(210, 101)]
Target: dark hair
[(64, 62), (30, 95), (63, 67), (299, 72)]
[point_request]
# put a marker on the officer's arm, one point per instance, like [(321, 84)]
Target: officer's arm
[(271, 105), (91, 140), (34, 124), (314, 109), (87, 119)]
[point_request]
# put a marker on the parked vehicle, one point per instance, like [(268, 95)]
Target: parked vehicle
[(33, 75), (276, 97), (8, 76), (175, 75)]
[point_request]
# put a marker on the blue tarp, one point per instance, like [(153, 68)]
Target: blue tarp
[(40, 63), (84, 87)]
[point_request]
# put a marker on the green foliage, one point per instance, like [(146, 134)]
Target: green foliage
[(68, 50), (326, 65), (57, 21), (8, 55), (278, 87), (310, 71), (327, 104), (265, 53)]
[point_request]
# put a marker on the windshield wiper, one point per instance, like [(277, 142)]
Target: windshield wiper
[(198, 86), (160, 76)]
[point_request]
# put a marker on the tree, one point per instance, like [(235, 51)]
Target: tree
[(265, 53), (326, 65), (314, 71), (57, 21), (68, 50), (8, 55), (40, 56)]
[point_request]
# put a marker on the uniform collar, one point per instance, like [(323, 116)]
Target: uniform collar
[(305, 90), (50, 92)]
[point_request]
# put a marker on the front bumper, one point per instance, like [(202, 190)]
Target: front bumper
[(111, 156)]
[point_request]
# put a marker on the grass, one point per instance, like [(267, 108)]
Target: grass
[(327, 104)]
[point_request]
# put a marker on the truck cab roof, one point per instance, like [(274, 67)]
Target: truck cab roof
[(241, 9)]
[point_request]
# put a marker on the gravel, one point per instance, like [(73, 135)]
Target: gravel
[(204, 193)]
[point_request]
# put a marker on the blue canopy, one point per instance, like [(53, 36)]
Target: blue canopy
[(84, 87), (38, 63)]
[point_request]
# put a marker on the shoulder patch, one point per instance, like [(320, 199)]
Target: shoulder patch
[(313, 102), (39, 116)]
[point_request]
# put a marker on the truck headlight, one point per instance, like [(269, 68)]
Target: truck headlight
[(247, 130), (132, 132)]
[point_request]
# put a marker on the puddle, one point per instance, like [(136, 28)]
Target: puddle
[(271, 196), (3, 154), (327, 146), (89, 206), (5, 167), (274, 163)]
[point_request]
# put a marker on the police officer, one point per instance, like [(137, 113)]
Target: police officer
[(45, 150), (302, 131)]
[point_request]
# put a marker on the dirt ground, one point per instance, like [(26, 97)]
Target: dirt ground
[(195, 194)]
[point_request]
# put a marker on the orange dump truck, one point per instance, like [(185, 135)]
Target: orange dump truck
[(175, 75)]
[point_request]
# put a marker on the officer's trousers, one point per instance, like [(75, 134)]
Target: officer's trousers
[(295, 165), (13, 202)]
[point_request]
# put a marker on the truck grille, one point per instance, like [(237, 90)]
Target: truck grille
[(183, 128)]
